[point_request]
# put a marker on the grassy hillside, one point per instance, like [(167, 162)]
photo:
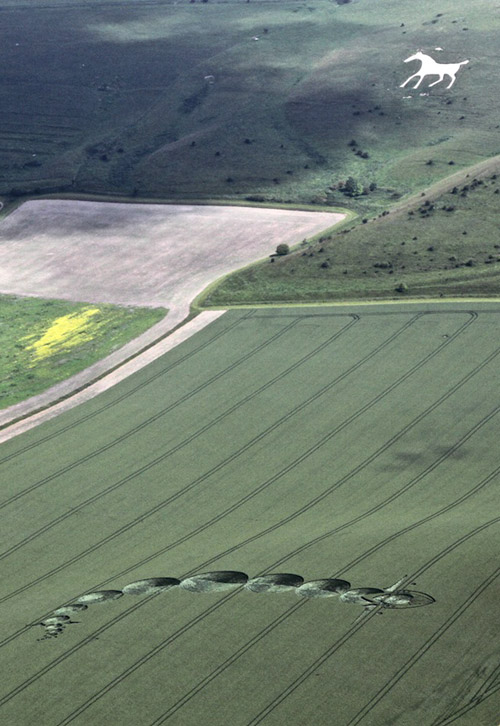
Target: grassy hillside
[(358, 443), (178, 99), (46, 341), (435, 243)]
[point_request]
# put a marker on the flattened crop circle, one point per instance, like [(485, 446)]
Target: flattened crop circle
[(150, 585), (323, 588), (214, 581), (70, 609), (278, 582), (98, 596)]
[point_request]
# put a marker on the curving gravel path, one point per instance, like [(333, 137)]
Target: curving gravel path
[(132, 254)]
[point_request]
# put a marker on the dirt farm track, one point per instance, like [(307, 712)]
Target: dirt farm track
[(133, 254), (353, 442)]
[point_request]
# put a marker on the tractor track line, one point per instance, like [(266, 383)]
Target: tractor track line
[(126, 394), (300, 549), (243, 649), (486, 689), (367, 553), (249, 314), (388, 500), (218, 467), (377, 507), (150, 420), (402, 672), (174, 404), (238, 546), (333, 648), (193, 436), (283, 616), (468, 707)]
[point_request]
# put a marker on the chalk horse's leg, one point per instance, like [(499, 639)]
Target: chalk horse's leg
[(415, 75), (420, 81), (441, 78), (453, 79)]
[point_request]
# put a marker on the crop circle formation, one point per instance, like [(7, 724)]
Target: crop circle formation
[(226, 580)]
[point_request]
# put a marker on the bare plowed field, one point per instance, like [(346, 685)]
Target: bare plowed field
[(138, 254), (355, 443), (133, 254)]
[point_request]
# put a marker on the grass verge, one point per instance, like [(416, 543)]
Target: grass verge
[(45, 341), (441, 242)]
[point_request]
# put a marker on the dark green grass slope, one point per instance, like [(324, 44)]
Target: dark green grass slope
[(116, 100), (355, 442), (432, 245)]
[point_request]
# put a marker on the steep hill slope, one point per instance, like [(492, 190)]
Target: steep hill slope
[(209, 99)]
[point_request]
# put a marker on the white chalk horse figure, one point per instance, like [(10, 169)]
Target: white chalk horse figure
[(430, 67)]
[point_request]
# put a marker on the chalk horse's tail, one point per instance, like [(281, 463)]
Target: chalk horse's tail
[(463, 63)]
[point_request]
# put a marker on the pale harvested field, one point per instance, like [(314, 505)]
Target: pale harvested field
[(358, 442), (138, 254), (132, 254)]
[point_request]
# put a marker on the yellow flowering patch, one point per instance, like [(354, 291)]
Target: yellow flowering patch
[(65, 333)]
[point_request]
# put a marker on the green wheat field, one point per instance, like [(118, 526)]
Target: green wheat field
[(355, 442)]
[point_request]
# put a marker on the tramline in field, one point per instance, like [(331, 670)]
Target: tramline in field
[(280, 441)]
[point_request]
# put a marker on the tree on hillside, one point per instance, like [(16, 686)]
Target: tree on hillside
[(352, 187), (282, 249)]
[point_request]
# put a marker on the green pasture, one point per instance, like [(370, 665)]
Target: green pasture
[(119, 99), (444, 244), (358, 442), (26, 320)]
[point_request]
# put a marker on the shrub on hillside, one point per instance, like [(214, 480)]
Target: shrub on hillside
[(352, 187), (282, 249)]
